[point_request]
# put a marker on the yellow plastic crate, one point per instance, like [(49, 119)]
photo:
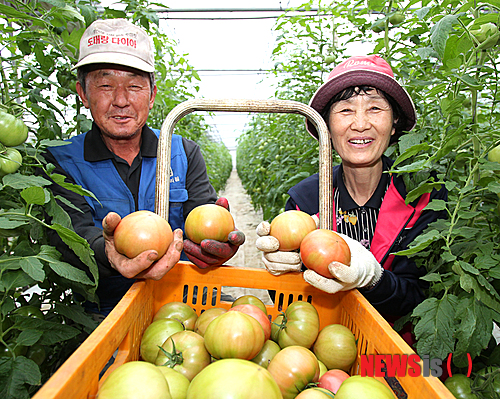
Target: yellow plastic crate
[(78, 377)]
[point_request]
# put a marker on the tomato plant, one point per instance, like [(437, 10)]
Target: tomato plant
[(336, 347), (294, 368), (487, 381), (257, 314), (10, 161), (233, 379), (142, 231), (185, 352), (202, 322), (290, 228), (13, 131), (209, 221), (251, 300), (155, 335), (322, 247), (460, 386), (299, 325), (332, 379), (128, 381), (267, 353), (234, 334), (178, 311), (363, 388)]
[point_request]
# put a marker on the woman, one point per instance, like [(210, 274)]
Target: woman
[(366, 110)]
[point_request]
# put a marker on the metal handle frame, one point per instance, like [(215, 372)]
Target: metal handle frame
[(258, 106)]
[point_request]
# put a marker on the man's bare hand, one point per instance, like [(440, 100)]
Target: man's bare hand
[(145, 265)]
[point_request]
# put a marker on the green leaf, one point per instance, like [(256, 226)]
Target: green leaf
[(7, 223), (76, 314), (35, 195), (436, 326), (15, 374), (20, 182), (13, 279), (441, 31), (411, 152), (436, 205), (70, 272), (60, 180), (421, 242), (11, 12), (52, 332), (28, 337), (33, 268)]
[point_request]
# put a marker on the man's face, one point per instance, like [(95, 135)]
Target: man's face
[(119, 99)]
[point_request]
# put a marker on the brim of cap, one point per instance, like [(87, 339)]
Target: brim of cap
[(116, 58), (360, 77)]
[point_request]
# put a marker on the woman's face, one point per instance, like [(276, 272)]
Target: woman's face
[(361, 128)]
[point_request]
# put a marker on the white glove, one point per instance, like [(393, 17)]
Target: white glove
[(276, 262), (364, 271)]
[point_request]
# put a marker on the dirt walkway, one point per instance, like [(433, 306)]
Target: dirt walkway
[(246, 219)]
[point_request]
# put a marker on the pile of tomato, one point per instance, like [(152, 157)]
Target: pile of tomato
[(242, 353)]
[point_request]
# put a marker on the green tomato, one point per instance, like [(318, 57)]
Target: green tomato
[(396, 18), (487, 35), (494, 154), (13, 349), (460, 386), (37, 353), (10, 161), (378, 26), (13, 131), (329, 59)]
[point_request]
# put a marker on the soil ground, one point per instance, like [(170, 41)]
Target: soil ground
[(246, 219)]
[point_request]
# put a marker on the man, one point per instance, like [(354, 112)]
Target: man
[(116, 161)]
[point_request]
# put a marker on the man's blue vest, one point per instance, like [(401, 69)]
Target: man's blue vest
[(104, 181)]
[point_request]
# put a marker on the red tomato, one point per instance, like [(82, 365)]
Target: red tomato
[(206, 318), (332, 379), (363, 388), (290, 228), (251, 300), (141, 231), (233, 379), (178, 311), (127, 381), (185, 352), (155, 335), (315, 393), (208, 221), (234, 335), (322, 247), (299, 325), (336, 347), (257, 314), (267, 353), (293, 368)]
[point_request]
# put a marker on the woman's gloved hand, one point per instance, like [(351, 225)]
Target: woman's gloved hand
[(364, 271), (277, 262), (211, 252)]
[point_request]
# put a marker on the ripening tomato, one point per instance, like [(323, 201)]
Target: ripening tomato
[(336, 347), (257, 314), (155, 335), (332, 379), (251, 300), (234, 335), (206, 318), (185, 352), (209, 221), (290, 228), (142, 231), (128, 382), (293, 368), (363, 388), (267, 353), (233, 379), (322, 247), (299, 325), (178, 311)]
